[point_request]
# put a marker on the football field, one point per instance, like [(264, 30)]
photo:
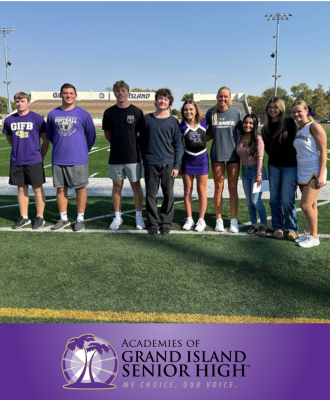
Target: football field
[(129, 276)]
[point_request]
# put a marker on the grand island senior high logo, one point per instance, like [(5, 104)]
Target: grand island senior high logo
[(89, 362), (64, 125)]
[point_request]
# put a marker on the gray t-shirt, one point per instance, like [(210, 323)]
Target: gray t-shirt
[(224, 134)]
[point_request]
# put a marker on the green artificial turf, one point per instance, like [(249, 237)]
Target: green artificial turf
[(214, 275), (203, 274)]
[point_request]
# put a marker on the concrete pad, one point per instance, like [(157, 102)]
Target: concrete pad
[(103, 187)]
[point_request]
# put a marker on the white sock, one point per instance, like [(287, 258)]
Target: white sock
[(138, 214), (117, 214), (25, 217), (64, 216), (80, 217)]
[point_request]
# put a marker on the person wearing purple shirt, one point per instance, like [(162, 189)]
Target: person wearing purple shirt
[(72, 133), (23, 131)]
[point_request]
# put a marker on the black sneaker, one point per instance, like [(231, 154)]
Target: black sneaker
[(153, 231), (21, 222), (79, 226), (38, 223), (165, 231), (60, 225)]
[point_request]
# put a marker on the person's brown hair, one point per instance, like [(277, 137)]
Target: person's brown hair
[(199, 116), (120, 84), (165, 92), (22, 95), (68, 86)]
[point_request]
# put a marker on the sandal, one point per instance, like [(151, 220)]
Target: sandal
[(262, 230), (252, 230)]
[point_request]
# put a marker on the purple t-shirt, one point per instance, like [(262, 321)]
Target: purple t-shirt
[(25, 132), (72, 133)]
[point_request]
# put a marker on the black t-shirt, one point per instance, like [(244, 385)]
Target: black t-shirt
[(124, 125), (281, 154)]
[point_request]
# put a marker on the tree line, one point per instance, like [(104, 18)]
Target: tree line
[(318, 98), (3, 105)]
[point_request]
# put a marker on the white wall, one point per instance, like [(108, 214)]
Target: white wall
[(136, 96)]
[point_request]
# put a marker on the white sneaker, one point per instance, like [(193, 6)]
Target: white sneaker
[(139, 223), (200, 226), (233, 226), (117, 221), (188, 224), (219, 225), (309, 242), (301, 238)]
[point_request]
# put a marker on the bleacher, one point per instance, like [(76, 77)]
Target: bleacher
[(94, 107), (43, 107), (205, 105)]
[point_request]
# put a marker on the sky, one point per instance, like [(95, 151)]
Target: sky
[(188, 46)]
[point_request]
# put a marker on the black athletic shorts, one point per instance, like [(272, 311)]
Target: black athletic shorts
[(21, 175)]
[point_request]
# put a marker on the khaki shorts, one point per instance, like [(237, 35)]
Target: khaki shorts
[(119, 172), (71, 176)]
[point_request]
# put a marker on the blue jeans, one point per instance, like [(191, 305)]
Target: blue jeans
[(283, 184), (253, 200)]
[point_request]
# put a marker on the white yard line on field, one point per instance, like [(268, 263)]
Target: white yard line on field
[(143, 231), (298, 209), (226, 232), (95, 151), (125, 212), (91, 176), (5, 148)]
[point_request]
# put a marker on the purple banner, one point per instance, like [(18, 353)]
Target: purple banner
[(164, 361)]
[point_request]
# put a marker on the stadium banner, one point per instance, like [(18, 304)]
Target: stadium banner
[(164, 361), (107, 96)]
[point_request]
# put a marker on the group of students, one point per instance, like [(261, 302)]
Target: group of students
[(72, 133), (296, 149), (297, 155)]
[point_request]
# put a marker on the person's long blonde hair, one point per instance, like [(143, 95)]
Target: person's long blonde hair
[(305, 106)]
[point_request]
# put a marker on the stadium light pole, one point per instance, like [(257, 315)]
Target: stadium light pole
[(278, 17), (7, 31)]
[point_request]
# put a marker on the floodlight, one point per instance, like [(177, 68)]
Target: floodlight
[(278, 17), (7, 31)]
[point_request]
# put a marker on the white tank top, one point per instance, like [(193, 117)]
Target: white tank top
[(305, 145)]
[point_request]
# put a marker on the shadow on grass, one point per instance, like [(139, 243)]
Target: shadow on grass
[(275, 276)]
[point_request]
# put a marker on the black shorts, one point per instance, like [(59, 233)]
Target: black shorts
[(21, 175)]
